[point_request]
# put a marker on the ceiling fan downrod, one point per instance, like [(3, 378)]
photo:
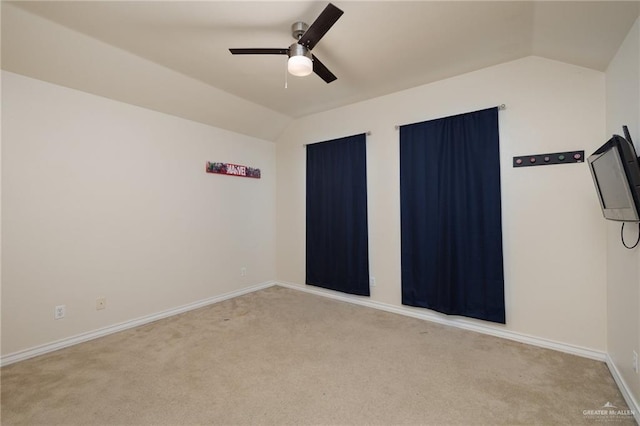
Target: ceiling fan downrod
[(298, 29)]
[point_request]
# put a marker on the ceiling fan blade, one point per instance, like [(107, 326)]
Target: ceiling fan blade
[(320, 26), (259, 51), (322, 71)]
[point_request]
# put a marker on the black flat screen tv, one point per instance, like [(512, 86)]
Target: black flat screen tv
[(616, 174)]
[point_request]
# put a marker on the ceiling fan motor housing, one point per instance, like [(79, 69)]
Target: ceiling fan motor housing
[(299, 50)]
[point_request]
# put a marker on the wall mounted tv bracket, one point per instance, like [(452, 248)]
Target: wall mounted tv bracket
[(547, 159)]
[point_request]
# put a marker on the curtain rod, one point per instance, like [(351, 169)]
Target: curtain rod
[(368, 133), (500, 107)]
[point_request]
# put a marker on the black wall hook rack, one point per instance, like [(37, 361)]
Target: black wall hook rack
[(547, 159)]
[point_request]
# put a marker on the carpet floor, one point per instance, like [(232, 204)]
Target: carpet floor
[(280, 356)]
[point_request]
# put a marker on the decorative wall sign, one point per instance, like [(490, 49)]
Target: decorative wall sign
[(233, 170)]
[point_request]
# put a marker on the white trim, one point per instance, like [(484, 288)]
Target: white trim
[(426, 315), (624, 389), (465, 324), (358, 300), (101, 332)]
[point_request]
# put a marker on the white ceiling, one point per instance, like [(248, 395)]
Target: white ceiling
[(375, 48)]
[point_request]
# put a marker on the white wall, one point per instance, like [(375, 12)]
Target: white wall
[(101, 198), (623, 275), (554, 235)]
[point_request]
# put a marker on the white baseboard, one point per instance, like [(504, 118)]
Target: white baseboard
[(101, 332), (462, 323), (358, 300), (427, 315), (624, 389)]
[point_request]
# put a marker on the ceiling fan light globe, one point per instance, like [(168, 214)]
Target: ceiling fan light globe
[(300, 66)]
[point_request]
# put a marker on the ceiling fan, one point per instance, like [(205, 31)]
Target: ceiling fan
[(301, 61)]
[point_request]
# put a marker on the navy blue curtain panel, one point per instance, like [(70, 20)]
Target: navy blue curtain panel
[(337, 245), (451, 221)]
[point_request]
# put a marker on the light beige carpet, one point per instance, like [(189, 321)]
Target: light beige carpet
[(281, 356)]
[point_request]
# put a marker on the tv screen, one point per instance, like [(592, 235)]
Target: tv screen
[(616, 174)]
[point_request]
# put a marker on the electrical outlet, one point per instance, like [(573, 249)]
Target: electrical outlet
[(372, 281), (243, 271), (635, 362), (101, 303), (59, 312)]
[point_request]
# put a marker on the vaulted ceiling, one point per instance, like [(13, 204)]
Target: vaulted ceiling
[(375, 48)]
